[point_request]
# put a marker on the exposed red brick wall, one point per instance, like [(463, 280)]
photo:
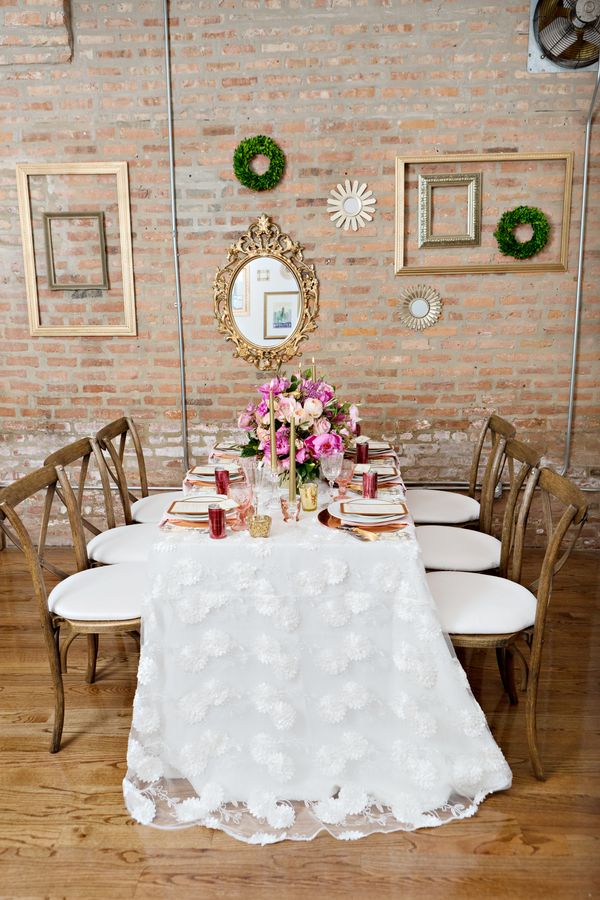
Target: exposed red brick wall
[(344, 87)]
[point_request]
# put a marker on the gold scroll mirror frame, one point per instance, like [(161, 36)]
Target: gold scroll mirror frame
[(264, 238)]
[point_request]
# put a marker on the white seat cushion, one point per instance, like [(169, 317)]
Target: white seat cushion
[(445, 547), (150, 510), (471, 603), (441, 507), (107, 593), (127, 543)]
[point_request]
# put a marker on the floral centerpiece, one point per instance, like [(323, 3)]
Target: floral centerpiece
[(324, 423)]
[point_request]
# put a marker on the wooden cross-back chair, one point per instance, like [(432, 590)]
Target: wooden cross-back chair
[(485, 611), (449, 548), (91, 601), (115, 544), (438, 507), (113, 439)]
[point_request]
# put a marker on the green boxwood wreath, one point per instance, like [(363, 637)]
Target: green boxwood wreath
[(522, 215), (260, 145)]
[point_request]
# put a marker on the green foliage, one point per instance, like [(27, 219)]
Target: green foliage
[(260, 145), (522, 215)]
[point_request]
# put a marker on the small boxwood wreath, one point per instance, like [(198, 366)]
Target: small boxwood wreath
[(522, 215), (260, 145)]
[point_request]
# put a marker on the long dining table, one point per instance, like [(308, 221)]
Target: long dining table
[(301, 683)]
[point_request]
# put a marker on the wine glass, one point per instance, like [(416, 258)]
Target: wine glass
[(331, 466)]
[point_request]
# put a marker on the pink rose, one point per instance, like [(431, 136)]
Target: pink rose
[(246, 421), (321, 426), (262, 433), (353, 414), (262, 409), (324, 444), (286, 408)]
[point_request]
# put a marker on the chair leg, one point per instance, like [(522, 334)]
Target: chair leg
[(531, 723), (64, 651), (501, 660), (92, 658), (59, 695), (509, 670)]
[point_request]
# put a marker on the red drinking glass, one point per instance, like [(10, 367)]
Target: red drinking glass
[(216, 521), (370, 484), (221, 480), (362, 452)]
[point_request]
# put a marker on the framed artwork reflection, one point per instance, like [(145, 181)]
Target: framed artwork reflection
[(240, 293), (281, 314)]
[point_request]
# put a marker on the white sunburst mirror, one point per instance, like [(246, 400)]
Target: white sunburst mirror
[(420, 307), (351, 205)]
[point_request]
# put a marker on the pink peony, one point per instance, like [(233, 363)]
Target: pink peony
[(277, 385), (324, 392), (262, 409), (324, 444)]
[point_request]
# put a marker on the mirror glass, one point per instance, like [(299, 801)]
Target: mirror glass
[(265, 301), (352, 206), (419, 308)]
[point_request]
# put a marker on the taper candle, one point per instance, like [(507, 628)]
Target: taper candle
[(293, 458), (273, 436), (314, 370)]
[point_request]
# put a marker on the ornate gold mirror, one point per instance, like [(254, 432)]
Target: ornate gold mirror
[(266, 297)]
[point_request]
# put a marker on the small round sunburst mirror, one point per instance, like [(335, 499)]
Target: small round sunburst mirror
[(351, 205), (420, 307)]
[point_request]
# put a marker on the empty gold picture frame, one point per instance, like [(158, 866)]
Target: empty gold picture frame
[(472, 236), (502, 265), (119, 169), (53, 283)]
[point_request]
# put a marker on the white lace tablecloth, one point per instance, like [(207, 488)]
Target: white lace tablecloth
[(297, 684)]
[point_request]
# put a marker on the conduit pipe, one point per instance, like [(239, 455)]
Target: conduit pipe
[(178, 307), (586, 159)]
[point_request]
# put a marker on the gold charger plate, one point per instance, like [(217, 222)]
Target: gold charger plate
[(325, 518)]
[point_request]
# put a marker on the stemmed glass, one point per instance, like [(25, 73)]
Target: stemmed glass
[(345, 476), (331, 466)]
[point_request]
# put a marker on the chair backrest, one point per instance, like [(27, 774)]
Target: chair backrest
[(564, 509), (47, 479), (520, 460), (499, 432), (81, 452), (113, 439)]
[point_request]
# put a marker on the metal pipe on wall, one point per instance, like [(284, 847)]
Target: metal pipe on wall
[(167, 43), (583, 219)]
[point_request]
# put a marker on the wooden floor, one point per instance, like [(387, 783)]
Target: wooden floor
[(64, 831)]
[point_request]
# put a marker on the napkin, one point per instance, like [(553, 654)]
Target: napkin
[(367, 508), (230, 465), (198, 506), (360, 468)]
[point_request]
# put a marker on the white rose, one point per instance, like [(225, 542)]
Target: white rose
[(313, 407)]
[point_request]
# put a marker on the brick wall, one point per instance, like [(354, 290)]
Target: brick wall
[(344, 87)]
